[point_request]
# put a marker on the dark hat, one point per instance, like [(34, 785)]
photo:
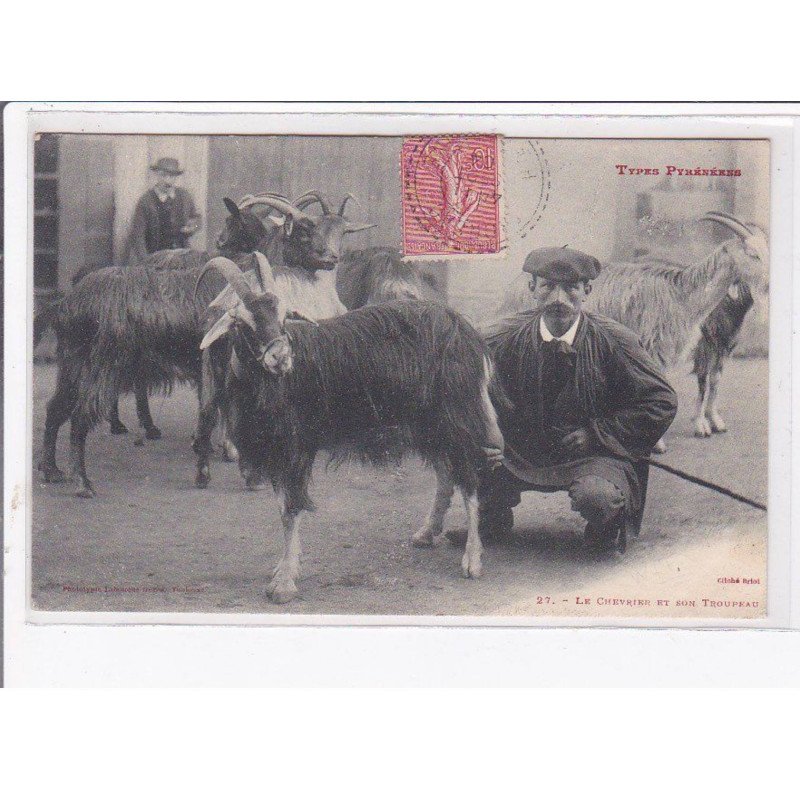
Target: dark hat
[(561, 264), (169, 165)]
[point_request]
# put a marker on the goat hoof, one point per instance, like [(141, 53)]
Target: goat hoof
[(203, 477), (52, 474), (85, 490), (702, 429), (423, 538), (117, 428), (718, 426), (282, 590), (471, 566), (229, 452), (152, 432)]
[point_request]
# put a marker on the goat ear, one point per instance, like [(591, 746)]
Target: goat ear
[(232, 207), (288, 225), (225, 300), (218, 329), (242, 313), (228, 299)]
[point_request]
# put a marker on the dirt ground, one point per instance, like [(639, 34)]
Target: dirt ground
[(151, 541)]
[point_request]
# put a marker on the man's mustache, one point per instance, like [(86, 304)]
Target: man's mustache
[(560, 308)]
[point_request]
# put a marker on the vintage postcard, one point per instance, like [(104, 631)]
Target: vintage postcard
[(406, 375)]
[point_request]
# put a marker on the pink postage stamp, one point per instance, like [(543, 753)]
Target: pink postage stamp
[(450, 195)]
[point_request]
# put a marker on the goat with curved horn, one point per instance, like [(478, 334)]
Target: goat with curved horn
[(313, 197), (344, 203), (231, 272), (664, 303), (729, 221), (238, 282), (353, 227), (279, 203)]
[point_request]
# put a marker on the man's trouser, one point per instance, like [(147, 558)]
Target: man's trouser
[(595, 498)]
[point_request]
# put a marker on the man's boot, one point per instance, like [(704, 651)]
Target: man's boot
[(611, 538)]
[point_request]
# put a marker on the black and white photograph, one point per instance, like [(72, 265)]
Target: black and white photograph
[(400, 377)]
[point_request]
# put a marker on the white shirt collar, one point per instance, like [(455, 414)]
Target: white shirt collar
[(568, 337), (162, 196)]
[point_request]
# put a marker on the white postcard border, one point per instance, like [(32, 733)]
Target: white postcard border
[(28, 639)]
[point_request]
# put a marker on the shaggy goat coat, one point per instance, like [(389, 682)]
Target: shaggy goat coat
[(720, 330), (371, 384), (377, 274), (123, 324), (177, 259)]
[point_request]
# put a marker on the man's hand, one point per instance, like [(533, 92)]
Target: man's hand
[(494, 457), (192, 226), (575, 443)]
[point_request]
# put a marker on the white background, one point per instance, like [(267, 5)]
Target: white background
[(71, 655), (565, 744)]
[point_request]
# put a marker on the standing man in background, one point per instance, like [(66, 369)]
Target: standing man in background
[(165, 215)]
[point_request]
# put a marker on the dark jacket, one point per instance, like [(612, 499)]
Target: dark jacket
[(147, 235), (614, 390)]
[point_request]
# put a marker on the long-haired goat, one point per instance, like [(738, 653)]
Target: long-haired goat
[(377, 274), (139, 328), (303, 247), (242, 234), (126, 327), (119, 327), (374, 274), (310, 248), (373, 383), (719, 335)]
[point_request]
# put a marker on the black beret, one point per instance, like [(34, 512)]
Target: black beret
[(561, 264)]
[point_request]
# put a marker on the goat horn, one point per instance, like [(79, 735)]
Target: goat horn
[(344, 203), (231, 272), (313, 197), (354, 227), (299, 316), (274, 201), (736, 225), (750, 228), (261, 197), (265, 276)]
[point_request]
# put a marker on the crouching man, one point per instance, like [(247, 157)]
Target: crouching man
[(588, 402)]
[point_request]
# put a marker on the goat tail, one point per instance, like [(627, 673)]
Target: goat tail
[(44, 320)]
